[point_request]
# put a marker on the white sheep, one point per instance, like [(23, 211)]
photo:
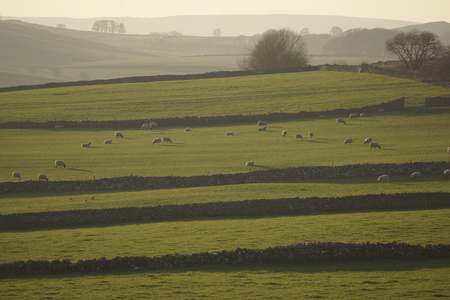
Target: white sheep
[(367, 140), (42, 177), (153, 125), (448, 149), (298, 136), (107, 142), (362, 115), (340, 121), (118, 134), (353, 116), (261, 123), (250, 163), (348, 141), (229, 133), (86, 145), (446, 173), (283, 133), (415, 176), (310, 134), (262, 128), (59, 163), (187, 129), (166, 139), (156, 141), (383, 178), (145, 126), (16, 174), (374, 145)]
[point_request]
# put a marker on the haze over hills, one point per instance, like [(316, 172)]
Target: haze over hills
[(230, 25)]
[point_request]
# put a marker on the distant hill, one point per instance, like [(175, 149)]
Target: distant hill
[(442, 29), (231, 25)]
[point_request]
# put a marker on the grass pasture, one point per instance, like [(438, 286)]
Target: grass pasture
[(206, 149), (404, 137)]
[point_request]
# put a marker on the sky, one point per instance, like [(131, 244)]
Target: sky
[(421, 11)]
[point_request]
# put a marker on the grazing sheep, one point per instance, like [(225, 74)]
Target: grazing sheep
[(448, 149), (59, 163), (118, 134), (166, 139), (261, 123), (348, 141), (107, 142), (362, 115), (145, 126), (367, 140), (86, 145), (446, 173), (310, 134), (229, 133), (353, 116), (298, 136), (16, 174), (42, 177), (262, 128), (340, 121), (374, 145), (187, 129), (153, 125), (250, 163), (156, 141), (283, 133), (383, 178), (415, 176)]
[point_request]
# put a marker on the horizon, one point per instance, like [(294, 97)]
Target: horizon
[(419, 11)]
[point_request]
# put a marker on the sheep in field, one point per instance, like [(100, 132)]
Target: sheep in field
[(262, 128), (118, 134), (448, 149), (362, 115), (16, 174), (59, 163), (383, 178), (283, 133), (310, 134), (166, 139), (446, 173), (86, 145), (153, 125), (107, 142), (187, 129), (353, 116), (415, 176), (229, 133), (348, 141), (298, 136), (367, 140), (261, 123), (250, 163), (156, 141), (374, 145), (145, 126), (42, 177), (340, 121)]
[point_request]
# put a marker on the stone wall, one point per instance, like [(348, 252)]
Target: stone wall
[(437, 102), (275, 175), (298, 253)]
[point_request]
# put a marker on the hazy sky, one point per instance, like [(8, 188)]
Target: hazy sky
[(406, 10)]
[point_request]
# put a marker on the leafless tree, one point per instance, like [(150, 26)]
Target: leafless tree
[(217, 32), (335, 31), (276, 49), (415, 47)]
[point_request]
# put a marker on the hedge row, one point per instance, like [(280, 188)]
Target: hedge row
[(298, 253), (397, 104), (248, 208), (275, 175)]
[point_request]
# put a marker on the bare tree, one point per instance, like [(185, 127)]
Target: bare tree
[(276, 49), (108, 26), (415, 47), (304, 31), (335, 31), (217, 32)]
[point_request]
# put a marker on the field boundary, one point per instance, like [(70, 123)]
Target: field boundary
[(247, 208), (298, 253)]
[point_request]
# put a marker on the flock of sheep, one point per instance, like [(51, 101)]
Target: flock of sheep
[(262, 126)]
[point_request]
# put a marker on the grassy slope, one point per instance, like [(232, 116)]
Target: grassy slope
[(263, 94)]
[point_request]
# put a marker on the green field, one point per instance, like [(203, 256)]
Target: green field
[(405, 136)]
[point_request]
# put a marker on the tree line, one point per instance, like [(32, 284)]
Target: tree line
[(109, 26)]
